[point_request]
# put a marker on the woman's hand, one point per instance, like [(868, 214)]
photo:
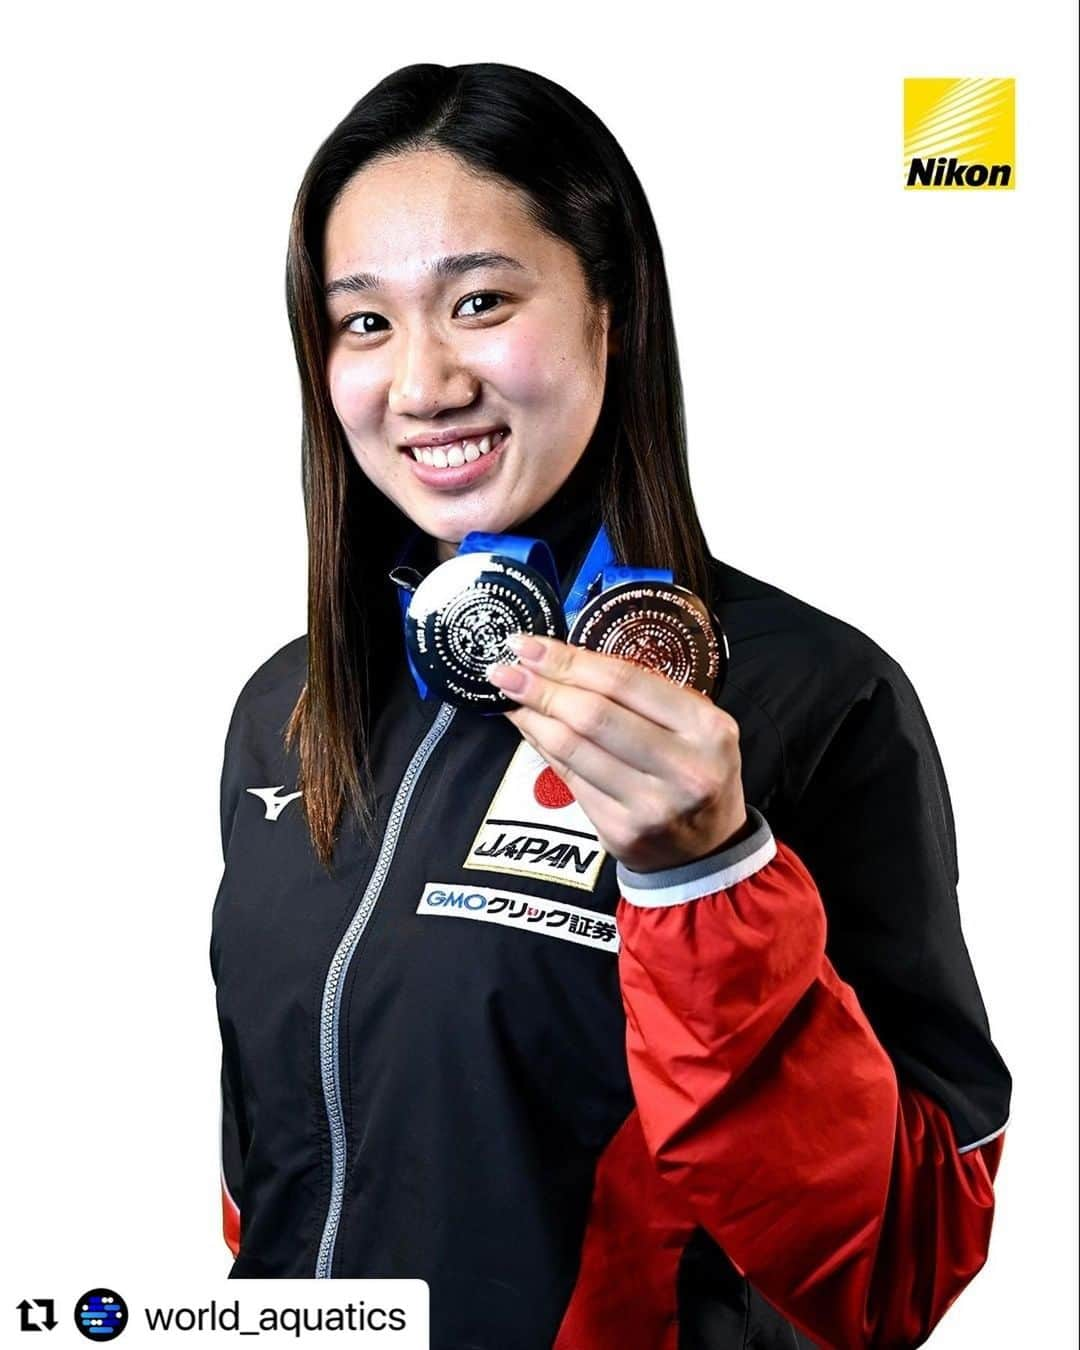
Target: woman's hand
[(655, 766)]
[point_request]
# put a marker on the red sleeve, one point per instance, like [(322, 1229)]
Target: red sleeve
[(767, 1099), (230, 1220), (231, 1168)]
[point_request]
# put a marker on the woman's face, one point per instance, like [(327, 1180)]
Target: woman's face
[(432, 334)]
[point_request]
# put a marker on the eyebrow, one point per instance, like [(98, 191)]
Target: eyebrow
[(452, 265)]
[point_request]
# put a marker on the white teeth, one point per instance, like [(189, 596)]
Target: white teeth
[(461, 452)]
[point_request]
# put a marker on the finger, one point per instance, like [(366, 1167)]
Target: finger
[(578, 761), (643, 691), (624, 734)]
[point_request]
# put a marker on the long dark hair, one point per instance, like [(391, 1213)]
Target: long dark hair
[(514, 125)]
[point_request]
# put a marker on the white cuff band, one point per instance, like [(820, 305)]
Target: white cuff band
[(716, 872)]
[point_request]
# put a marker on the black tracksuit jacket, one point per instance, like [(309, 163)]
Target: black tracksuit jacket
[(752, 1101)]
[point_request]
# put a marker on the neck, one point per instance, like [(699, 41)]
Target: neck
[(569, 519)]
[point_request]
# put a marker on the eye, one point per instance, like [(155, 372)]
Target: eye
[(481, 295), (363, 321), (366, 323)]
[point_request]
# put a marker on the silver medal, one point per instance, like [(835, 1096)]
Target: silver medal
[(461, 615)]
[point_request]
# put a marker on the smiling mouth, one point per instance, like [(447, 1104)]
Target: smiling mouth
[(458, 452)]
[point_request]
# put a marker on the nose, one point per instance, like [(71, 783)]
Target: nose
[(428, 376)]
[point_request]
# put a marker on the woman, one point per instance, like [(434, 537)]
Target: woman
[(696, 1056)]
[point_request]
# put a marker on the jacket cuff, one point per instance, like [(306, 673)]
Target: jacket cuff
[(717, 871)]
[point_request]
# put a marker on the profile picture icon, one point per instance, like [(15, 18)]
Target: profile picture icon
[(101, 1314)]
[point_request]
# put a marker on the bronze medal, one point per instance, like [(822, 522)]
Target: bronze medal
[(658, 625)]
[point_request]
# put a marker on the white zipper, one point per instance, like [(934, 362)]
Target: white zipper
[(335, 980)]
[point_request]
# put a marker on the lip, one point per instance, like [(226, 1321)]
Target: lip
[(464, 475), (452, 434)]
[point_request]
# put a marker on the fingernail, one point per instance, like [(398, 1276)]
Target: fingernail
[(525, 646), (506, 677)]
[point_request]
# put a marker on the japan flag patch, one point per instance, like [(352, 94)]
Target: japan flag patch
[(534, 827)]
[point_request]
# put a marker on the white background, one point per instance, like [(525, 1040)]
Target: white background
[(882, 407)]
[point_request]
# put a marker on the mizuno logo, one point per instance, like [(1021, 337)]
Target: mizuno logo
[(274, 804)]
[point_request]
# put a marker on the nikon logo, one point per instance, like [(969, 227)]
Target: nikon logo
[(951, 173), (959, 133)]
